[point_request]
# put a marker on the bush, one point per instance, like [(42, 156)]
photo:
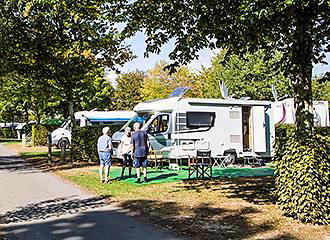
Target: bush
[(39, 135), (8, 133), (84, 142), (303, 175)]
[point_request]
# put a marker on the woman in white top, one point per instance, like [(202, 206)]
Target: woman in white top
[(125, 143)]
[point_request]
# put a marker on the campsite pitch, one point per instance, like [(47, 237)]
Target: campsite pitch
[(164, 175)]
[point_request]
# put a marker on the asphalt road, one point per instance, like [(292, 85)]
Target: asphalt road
[(39, 205)]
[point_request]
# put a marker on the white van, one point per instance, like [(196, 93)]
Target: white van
[(181, 126), (62, 135)]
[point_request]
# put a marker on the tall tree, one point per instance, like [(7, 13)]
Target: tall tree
[(21, 97), (251, 75), (297, 28), (60, 44), (128, 90), (159, 82)]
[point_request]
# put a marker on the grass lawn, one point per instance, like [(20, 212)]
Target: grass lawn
[(224, 208)]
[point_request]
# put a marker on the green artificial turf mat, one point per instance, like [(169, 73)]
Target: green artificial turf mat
[(165, 175)]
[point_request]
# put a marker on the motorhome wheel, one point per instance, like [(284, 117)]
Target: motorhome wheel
[(64, 141)]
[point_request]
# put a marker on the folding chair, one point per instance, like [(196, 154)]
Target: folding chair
[(156, 159), (201, 165), (252, 159)]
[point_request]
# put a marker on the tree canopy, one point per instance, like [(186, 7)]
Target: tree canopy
[(299, 29), (159, 83), (128, 90), (250, 75), (60, 46)]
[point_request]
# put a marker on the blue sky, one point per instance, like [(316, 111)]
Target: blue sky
[(138, 46)]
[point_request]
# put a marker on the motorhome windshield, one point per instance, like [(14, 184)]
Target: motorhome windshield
[(140, 117)]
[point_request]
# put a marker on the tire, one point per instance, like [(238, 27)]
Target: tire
[(63, 141)]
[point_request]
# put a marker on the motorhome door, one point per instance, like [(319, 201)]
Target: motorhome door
[(159, 131), (258, 128)]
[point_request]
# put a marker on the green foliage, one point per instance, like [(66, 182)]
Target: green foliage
[(251, 75), (84, 142), (321, 91), (39, 135), (245, 26), (8, 133), (303, 174), (128, 90), (159, 82), (297, 29), (60, 49)]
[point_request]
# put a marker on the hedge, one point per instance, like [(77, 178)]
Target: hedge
[(8, 133), (84, 142), (303, 174), (39, 135)]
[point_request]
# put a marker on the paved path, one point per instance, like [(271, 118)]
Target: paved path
[(38, 205)]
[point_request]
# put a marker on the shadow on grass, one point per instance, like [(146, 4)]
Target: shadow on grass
[(162, 176), (257, 190), (203, 221)]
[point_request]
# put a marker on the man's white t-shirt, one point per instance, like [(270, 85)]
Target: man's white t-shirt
[(126, 143)]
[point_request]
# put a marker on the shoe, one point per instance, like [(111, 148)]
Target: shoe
[(145, 180), (107, 181), (101, 181), (138, 180)]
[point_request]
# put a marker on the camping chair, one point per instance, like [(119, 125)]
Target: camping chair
[(201, 165), (155, 158), (252, 159)]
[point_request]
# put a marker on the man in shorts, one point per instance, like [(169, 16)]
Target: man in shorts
[(104, 145), (139, 151)]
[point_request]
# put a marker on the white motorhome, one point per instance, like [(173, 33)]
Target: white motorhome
[(87, 118), (183, 125), (284, 112)]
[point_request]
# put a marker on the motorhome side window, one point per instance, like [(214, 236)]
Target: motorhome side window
[(200, 119), (159, 124)]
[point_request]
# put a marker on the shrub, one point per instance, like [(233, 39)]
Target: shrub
[(39, 135), (8, 133), (84, 142), (303, 175)]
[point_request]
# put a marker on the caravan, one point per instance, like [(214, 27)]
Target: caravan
[(284, 112), (181, 126), (62, 135)]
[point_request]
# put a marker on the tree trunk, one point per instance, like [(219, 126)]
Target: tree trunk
[(37, 115), (49, 142), (302, 73), (71, 115)]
